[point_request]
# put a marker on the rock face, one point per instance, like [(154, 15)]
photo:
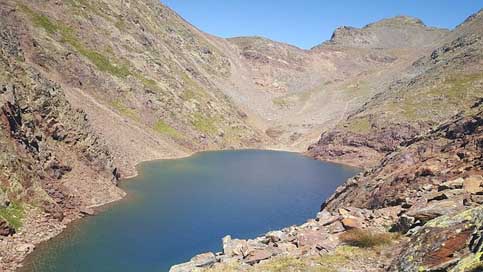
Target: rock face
[(396, 32), (448, 243)]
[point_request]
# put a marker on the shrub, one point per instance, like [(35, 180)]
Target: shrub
[(365, 239)]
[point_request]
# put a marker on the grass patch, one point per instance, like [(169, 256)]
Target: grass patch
[(204, 124), (365, 239), (68, 35), (360, 125), (147, 82), (162, 128), (456, 91), (280, 102), (13, 214), (283, 264), (125, 111)]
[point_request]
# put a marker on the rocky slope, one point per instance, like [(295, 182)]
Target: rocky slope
[(430, 90), (53, 165)]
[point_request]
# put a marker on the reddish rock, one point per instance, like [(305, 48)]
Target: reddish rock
[(258, 255), (351, 223)]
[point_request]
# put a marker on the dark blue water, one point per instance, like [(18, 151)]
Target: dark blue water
[(180, 208)]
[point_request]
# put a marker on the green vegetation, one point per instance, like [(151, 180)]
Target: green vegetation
[(163, 128), (360, 125), (103, 63), (125, 111), (284, 264), (147, 82), (204, 124), (13, 214), (451, 94), (365, 239), (281, 102)]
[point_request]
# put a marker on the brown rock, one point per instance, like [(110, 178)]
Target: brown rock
[(258, 255), (87, 211), (352, 223), (472, 184), (435, 209), (452, 184)]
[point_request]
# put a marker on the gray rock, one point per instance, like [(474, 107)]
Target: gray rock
[(234, 247), (404, 224), (435, 209), (204, 260), (276, 236), (326, 218)]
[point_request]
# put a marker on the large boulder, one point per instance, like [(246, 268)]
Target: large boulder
[(435, 209), (235, 247), (446, 243), (197, 262)]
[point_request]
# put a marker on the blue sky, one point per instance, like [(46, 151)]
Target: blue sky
[(306, 23)]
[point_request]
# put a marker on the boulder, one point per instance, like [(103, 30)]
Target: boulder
[(234, 247), (199, 261), (204, 260), (452, 184), (335, 227), (257, 256), (318, 240), (351, 223), (403, 224), (472, 184), (443, 243), (326, 218), (87, 211), (5, 228), (435, 209), (276, 236)]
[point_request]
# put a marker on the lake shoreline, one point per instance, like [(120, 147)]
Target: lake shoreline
[(102, 208)]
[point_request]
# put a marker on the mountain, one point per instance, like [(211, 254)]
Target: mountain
[(89, 89), (431, 90)]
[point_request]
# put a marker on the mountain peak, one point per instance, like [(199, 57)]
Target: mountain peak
[(398, 21), (395, 32)]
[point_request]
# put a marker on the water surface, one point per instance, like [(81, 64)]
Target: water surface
[(180, 208)]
